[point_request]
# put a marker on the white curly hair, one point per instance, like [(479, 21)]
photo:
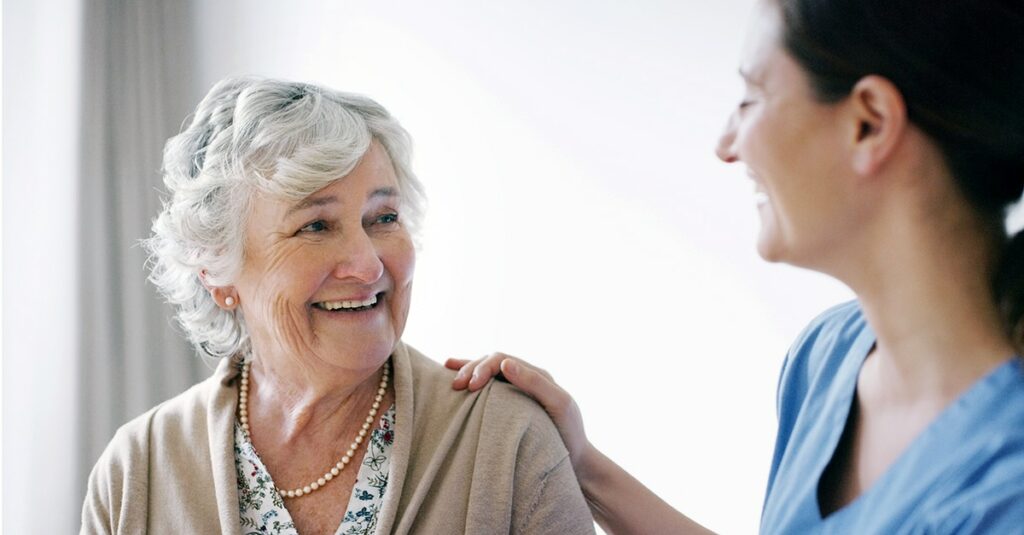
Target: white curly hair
[(252, 135)]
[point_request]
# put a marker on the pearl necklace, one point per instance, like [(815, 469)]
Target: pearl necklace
[(243, 417)]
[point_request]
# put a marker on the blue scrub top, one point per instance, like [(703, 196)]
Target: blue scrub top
[(963, 474)]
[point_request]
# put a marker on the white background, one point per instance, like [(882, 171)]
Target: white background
[(578, 218)]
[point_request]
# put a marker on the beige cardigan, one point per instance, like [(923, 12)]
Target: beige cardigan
[(487, 462)]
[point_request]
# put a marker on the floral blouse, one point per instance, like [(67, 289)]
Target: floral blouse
[(262, 508)]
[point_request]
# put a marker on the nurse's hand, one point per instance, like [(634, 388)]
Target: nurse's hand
[(473, 375), (619, 502)]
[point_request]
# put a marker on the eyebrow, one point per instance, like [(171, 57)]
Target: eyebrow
[(310, 202)]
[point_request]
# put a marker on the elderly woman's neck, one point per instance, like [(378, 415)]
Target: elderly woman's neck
[(295, 402)]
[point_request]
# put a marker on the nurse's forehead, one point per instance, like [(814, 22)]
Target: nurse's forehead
[(762, 43)]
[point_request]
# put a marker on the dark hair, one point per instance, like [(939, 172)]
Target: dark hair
[(959, 65)]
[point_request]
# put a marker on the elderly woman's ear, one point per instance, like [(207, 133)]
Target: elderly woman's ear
[(224, 296)]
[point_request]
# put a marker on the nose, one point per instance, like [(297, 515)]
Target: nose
[(725, 149), (358, 260)]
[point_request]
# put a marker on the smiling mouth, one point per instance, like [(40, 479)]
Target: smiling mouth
[(350, 306)]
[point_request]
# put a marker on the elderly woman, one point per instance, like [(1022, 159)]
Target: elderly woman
[(287, 248)]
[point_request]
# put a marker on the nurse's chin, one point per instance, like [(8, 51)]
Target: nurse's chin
[(770, 245)]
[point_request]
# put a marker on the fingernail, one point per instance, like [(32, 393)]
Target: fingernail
[(509, 367)]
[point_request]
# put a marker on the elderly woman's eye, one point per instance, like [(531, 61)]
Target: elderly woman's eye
[(387, 219), (316, 226)]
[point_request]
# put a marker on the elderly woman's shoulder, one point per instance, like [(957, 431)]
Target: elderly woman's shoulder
[(185, 413), (154, 457), (496, 445), (181, 420), (499, 404)]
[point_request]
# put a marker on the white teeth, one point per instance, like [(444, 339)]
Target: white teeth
[(760, 195), (338, 305)]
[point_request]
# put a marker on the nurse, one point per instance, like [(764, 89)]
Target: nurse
[(886, 142)]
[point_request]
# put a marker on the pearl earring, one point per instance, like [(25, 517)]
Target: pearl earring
[(229, 301)]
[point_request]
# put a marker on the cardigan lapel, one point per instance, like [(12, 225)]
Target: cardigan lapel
[(401, 451), (220, 423)]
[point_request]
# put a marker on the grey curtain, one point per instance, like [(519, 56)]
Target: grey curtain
[(137, 85)]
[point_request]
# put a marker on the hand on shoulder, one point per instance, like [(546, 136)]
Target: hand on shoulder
[(538, 384)]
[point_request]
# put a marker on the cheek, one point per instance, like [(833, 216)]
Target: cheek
[(765, 143), (400, 262), (276, 289), (399, 258), (290, 324), (753, 151), (779, 153), (291, 276)]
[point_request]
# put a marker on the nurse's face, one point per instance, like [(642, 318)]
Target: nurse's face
[(789, 143)]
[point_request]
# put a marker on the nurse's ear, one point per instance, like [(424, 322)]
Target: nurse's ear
[(878, 123)]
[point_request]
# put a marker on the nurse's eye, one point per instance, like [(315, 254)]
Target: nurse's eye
[(745, 103), (315, 226)]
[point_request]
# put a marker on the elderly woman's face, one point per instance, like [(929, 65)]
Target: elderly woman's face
[(329, 277)]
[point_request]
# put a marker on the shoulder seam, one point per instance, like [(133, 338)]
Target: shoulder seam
[(537, 495)]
